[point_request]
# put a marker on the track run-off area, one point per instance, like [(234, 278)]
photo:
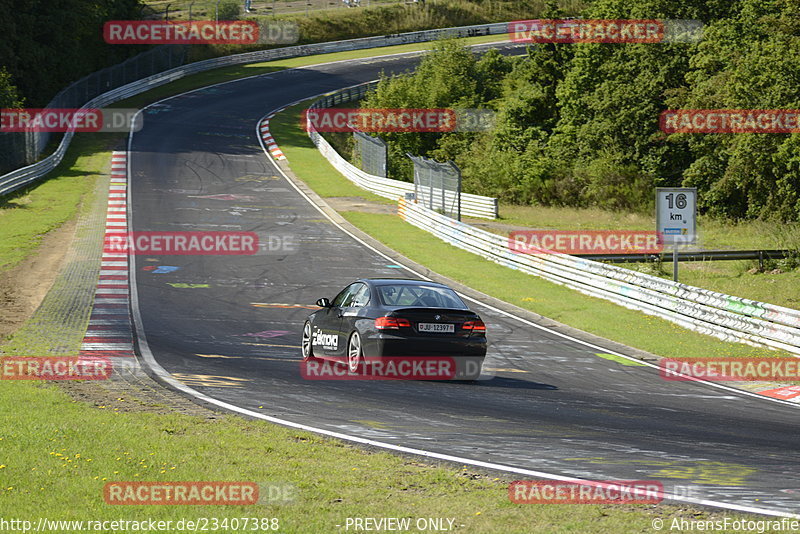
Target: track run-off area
[(226, 329)]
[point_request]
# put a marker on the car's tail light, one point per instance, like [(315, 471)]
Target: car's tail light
[(476, 326), (391, 323)]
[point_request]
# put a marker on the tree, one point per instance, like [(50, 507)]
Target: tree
[(9, 97)]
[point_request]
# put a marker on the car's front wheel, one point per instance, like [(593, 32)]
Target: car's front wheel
[(354, 353), (308, 352)]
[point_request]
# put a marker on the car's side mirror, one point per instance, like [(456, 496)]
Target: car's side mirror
[(324, 303)]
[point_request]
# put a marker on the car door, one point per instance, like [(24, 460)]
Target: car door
[(351, 305), (326, 336)]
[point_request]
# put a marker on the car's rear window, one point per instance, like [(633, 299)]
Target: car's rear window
[(419, 296)]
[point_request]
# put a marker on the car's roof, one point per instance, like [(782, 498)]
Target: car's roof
[(400, 281)]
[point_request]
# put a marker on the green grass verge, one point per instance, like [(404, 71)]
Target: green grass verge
[(57, 455), (27, 216)]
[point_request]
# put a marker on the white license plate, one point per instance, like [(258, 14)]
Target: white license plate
[(445, 328)]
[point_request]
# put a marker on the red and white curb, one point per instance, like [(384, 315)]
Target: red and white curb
[(110, 333), (269, 141)]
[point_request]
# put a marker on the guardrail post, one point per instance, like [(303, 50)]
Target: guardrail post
[(675, 263)]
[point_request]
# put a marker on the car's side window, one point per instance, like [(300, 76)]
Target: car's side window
[(344, 294), (361, 297), (352, 296)]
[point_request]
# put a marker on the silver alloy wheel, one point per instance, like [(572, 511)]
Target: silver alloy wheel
[(306, 343), (354, 355)]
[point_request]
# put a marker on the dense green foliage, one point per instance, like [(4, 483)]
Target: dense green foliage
[(578, 125), (46, 44), (338, 24), (8, 93), (229, 10)]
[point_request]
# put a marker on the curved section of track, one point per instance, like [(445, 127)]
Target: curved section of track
[(229, 327)]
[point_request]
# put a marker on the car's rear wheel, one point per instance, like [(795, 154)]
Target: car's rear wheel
[(308, 352), (354, 353)]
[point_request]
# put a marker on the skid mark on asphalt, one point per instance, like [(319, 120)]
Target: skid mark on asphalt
[(697, 471), (619, 359), (257, 178), (271, 345), (282, 305), (215, 381), (267, 334), (372, 424), (703, 472), (227, 357)]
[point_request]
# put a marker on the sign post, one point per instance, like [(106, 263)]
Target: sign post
[(676, 219)]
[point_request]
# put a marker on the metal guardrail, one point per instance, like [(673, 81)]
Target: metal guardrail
[(22, 177), (699, 255), (723, 316), (18, 149), (471, 205)]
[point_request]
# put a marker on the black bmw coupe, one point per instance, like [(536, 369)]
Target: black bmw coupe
[(389, 319)]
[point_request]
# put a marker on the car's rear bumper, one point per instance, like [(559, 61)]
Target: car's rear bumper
[(466, 355), (389, 345)]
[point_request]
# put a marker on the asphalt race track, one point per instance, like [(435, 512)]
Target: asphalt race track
[(229, 326)]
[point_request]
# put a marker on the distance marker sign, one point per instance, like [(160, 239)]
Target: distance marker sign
[(676, 215)]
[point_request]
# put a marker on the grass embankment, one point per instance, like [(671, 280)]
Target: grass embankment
[(551, 300), (331, 20), (28, 215), (56, 454)]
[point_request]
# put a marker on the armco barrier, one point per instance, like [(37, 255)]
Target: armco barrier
[(471, 205), (27, 175), (723, 316)]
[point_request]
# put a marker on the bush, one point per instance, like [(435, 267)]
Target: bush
[(229, 10)]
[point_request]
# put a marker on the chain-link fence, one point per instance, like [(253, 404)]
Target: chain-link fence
[(438, 185), (18, 149), (372, 153)]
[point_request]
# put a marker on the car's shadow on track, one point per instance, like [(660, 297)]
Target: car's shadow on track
[(509, 383)]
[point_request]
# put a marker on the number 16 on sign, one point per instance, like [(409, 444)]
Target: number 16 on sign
[(676, 219)]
